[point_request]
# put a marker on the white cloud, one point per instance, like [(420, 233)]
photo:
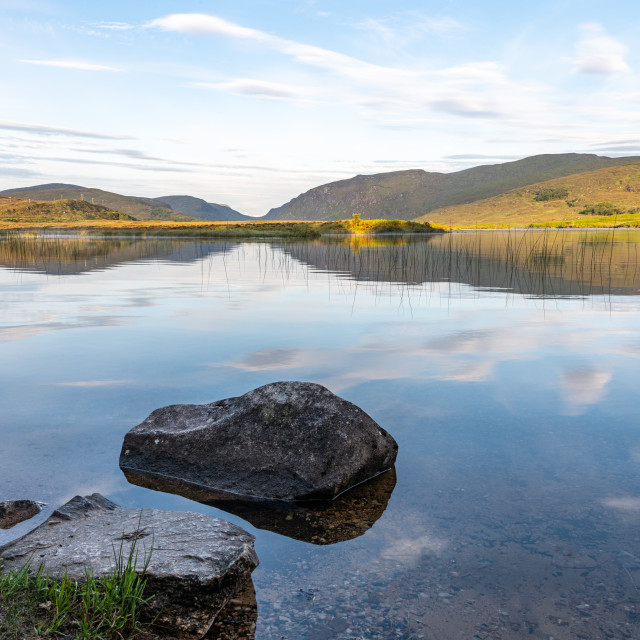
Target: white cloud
[(598, 53), (71, 64), (207, 25)]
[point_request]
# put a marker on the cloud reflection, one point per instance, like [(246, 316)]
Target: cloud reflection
[(93, 383), (627, 504), (584, 387)]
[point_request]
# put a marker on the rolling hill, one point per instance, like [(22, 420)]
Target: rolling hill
[(138, 207), (18, 210), (617, 188), (410, 194), (201, 209)]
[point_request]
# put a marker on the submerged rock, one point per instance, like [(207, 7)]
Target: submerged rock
[(14, 511), (285, 441), (196, 562), (316, 521)]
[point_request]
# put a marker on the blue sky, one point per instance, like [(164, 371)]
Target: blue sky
[(250, 103)]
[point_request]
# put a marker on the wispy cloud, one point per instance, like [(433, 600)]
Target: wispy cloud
[(407, 26), (255, 88), (115, 26), (475, 90), (78, 65), (58, 131), (599, 53)]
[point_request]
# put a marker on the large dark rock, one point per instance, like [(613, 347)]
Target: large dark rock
[(197, 562), (285, 441), (14, 511)]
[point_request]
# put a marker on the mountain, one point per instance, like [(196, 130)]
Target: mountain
[(616, 189), (201, 209), (413, 193), (139, 208), (14, 209), (180, 208)]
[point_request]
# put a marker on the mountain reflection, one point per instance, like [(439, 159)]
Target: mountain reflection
[(318, 522), (60, 255)]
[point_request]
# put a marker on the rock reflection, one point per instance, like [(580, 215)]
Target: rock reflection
[(237, 620), (318, 522)]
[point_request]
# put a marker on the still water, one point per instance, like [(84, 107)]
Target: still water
[(505, 364)]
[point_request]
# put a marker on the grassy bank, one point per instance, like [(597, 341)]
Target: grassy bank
[(37, 606), (262, 229)]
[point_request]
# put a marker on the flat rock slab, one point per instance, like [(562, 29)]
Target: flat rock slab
[(197, 562), (283, 441), (14, 511)]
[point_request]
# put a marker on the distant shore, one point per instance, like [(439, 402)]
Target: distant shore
[(263, 229)]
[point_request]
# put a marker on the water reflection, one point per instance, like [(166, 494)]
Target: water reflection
[(540, 263), (318, 522), (554, 263), (64, 255)]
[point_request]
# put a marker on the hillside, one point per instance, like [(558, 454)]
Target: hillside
[(201, 209), (617, 188), (410, 194), (18, 210)]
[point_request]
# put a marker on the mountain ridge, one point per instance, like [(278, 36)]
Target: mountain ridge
[(412, 193)]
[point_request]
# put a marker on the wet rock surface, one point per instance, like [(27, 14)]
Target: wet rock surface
[(197, 562), (284, 441), (14, 511), (319, 522)]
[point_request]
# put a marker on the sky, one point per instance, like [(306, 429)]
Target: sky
[(252, 102)]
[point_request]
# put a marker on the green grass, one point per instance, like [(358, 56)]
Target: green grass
[(34, 604)]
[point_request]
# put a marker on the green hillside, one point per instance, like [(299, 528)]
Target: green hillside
[(611, 192), (18, 210), (139, 208), (410, 194)]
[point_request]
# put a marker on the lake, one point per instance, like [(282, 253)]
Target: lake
[(506, 364)]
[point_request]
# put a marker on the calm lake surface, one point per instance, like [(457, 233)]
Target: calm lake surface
[(505, 364)]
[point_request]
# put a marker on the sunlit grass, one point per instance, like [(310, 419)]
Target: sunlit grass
[(627, 220)]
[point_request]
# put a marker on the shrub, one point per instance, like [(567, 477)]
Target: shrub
[(554, 193), (602, 209)]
